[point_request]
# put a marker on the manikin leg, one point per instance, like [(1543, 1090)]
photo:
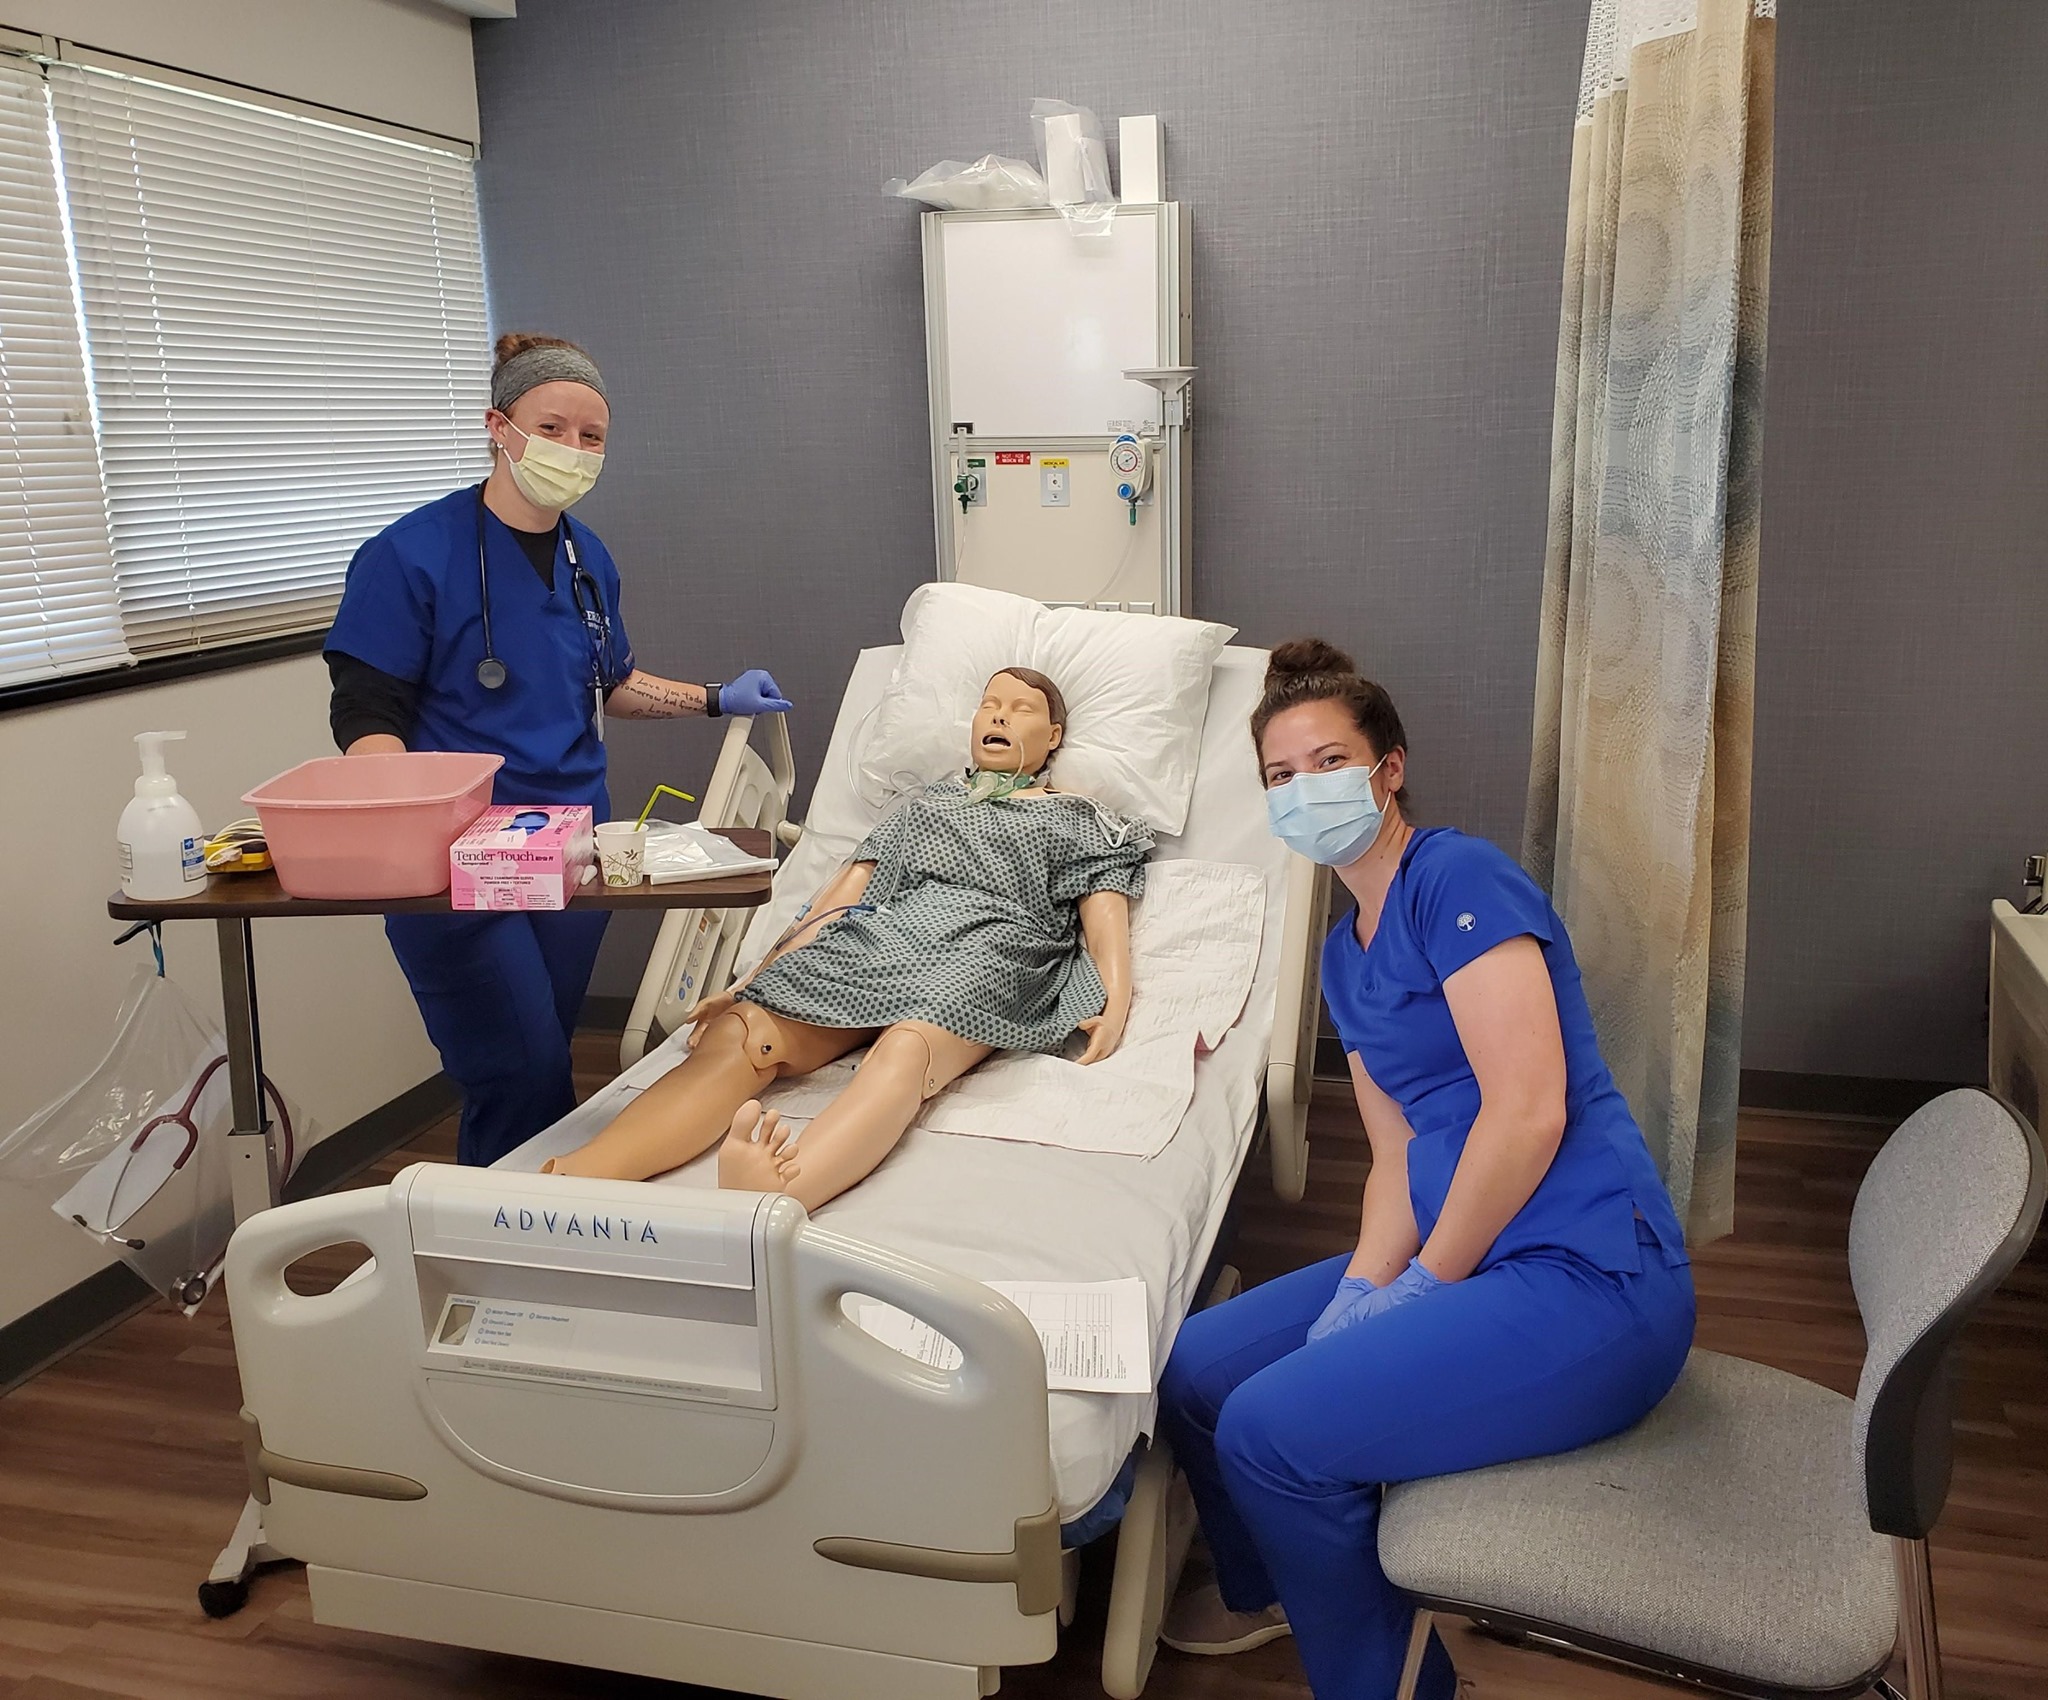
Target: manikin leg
[(687, 1109), (908, 1064)]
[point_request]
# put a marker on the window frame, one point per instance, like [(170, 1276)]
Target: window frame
[(45, 50)]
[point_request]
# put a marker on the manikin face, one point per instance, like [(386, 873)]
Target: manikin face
[(1320, 737), (1013, 729)]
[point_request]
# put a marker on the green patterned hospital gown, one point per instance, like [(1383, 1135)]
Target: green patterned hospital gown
[(975, 926)]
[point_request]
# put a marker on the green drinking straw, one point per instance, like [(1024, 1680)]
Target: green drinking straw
[(657, 792)]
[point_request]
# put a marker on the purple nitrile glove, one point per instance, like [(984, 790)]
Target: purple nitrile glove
[(1412, 1283), (753, 692), (1343, 1308)]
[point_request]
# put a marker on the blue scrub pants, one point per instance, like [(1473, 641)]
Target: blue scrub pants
[(1286, 1444), (500, 994)]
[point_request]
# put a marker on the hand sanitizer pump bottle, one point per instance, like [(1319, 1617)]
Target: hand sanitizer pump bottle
[(163, 852)]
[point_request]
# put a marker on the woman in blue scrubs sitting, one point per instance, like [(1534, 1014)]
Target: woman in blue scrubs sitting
[(1520, 1284), (489, 620)]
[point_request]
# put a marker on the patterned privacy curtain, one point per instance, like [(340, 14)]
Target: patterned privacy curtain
[(1638, 815)]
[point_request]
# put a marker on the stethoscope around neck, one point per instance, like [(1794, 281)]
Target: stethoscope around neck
[(491, 672)]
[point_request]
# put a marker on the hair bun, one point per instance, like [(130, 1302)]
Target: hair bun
[(1299, 656), (518, 342)]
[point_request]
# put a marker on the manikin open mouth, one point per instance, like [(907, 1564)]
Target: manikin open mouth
[(994, 741)]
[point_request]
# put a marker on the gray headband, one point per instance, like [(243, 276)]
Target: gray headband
[(543, 365)]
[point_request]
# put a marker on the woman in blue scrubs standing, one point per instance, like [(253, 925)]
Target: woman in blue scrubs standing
[(1520, 1284), (489, 620)]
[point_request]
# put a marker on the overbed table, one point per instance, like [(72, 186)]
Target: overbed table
[(233, 901)]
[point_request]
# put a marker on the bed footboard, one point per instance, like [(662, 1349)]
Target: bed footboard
[(661, 1411)]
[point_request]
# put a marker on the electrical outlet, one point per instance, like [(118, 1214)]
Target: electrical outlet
[(1055, 487)]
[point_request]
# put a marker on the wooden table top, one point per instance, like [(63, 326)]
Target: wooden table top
[(250, 897)]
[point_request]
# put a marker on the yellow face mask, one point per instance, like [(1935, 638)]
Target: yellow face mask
[(552, 474)]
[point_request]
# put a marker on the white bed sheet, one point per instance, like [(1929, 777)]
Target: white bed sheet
[(996, 1210)]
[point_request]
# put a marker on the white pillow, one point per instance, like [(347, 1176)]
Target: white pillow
[(1137, 690)]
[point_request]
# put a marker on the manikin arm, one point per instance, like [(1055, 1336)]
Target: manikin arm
[(1106, 927)]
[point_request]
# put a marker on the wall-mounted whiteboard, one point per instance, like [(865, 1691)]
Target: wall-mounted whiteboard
[(1032, 326)]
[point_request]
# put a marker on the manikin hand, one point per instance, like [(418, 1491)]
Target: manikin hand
[(704, 1011), (1105, 1032)]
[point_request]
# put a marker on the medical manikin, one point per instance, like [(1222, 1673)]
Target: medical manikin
[(985, 913)]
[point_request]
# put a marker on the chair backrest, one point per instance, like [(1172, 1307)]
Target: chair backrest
[(1949, 1206)]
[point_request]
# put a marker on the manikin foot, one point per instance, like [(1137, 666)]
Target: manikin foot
[(1199, 1622), (757, 1155)]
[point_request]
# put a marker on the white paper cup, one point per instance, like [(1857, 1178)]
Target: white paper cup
[(621, 844)]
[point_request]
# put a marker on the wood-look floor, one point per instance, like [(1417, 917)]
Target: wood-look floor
[(120, 1475)]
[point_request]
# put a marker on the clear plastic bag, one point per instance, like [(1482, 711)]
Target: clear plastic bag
[(1075, 160), (136, 1156), (678, 851), (992, 182)]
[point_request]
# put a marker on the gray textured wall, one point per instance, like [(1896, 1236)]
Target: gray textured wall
[(691, 188), (1902, 690), (1377, 190)]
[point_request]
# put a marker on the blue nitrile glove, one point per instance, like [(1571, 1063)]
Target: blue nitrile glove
[(1412, 1283), (1343, 1309), (753, 692)]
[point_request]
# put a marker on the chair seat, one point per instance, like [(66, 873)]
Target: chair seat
[(1724, 1530)]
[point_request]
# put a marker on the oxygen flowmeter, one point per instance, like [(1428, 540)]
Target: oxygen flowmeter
[(970, 481), (1130, 464)]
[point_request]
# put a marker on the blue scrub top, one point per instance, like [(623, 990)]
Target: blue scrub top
[(412, 608), (1451, 901)]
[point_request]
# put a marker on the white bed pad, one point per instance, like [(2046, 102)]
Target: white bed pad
[(994, 1209)]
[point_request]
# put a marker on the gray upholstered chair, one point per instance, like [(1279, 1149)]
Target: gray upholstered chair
[(1757, 1534)]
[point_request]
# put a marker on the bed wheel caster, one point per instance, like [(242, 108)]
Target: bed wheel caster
[(223, 1599)]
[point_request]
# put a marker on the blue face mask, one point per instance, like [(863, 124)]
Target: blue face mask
[(1331, 818)]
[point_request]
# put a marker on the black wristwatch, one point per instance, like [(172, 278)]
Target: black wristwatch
[(711, 709)]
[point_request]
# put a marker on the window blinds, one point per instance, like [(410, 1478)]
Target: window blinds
[(58, 612), (289, 347)]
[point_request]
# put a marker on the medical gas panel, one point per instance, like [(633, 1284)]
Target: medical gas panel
[(1057, 472)]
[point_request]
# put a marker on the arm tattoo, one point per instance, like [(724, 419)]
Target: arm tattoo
[(656, 698)]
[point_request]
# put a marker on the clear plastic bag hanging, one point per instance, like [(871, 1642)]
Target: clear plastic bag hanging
[(136, 1155)]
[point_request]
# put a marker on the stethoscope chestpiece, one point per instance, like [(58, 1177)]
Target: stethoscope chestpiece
[(490, 673)]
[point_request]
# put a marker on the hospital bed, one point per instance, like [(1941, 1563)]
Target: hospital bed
[(676, 1453)]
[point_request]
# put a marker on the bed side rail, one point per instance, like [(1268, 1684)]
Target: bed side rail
[(693, 953), (1297, 1012)]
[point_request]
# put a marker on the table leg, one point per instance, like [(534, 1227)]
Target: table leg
[(226, 1589), (252, 1158)]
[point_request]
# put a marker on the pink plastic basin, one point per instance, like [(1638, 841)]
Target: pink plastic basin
[(371, 826)]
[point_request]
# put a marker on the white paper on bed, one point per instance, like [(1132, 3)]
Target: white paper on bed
[(1194, 949), (1097, 1335)]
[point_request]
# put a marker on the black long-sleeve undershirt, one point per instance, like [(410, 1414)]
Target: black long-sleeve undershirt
[(367, 700)]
